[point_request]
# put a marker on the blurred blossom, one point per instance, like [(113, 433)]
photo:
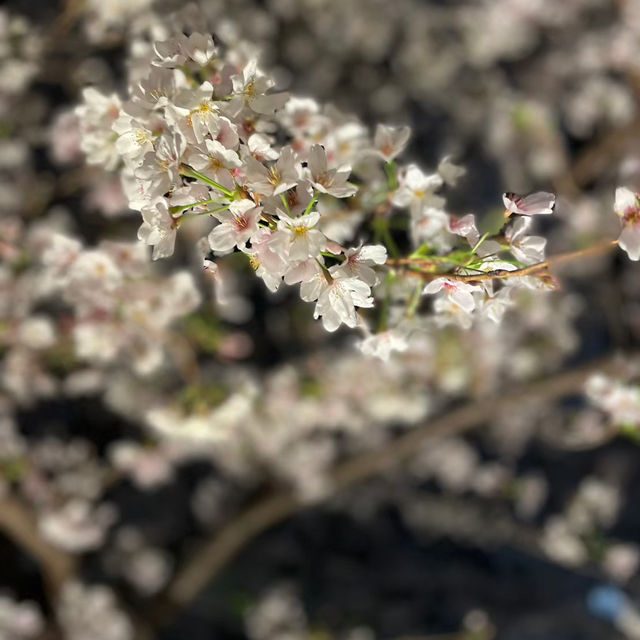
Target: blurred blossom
[(19, 620), (92, 612), (244, 242), (74, 527), (277, 614)]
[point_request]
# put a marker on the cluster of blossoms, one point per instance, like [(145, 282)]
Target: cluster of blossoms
[(108, 305), (294, 189), (117, 310), (192, 148), (202, 136), (575, 60)]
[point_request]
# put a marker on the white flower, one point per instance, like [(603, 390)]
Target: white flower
[(494, 307), (236, 226), (311, 275), (252, 87), (260, 148), (228, 133), (302, 116), (169, 53), (390, 142), (36, 332), (303, 240), (458, 292), (195, 113), (526, 249), (269, 264), (539, 203), (156, 90), (450, 172), (216, 162), (97, 342), (417, 189), (160, 170), (381, 345), (148, 467), (278, 178), (465, 227), (159, 228), (199, 47), (627, 206), (97, 114), (428, 224), (359, 260), (338, 299), (331, 181), (20, 620), (298, 200), (59, 254), (134, 139), (92, 277)]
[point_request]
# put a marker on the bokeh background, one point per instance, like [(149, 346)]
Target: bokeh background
[(114, 524)]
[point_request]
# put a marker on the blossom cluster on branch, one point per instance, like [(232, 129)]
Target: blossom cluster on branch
[(291, 184), (130, 373)]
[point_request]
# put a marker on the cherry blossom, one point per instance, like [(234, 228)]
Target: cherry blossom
[(627, 206)]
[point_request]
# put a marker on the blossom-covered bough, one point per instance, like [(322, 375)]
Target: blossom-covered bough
[(291, 185), (218, 384)]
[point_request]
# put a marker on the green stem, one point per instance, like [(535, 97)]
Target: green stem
[(325, 272), (192, 173), (285, 202), (311, 205), (382, 232), (415, 300), (477, 244), (184, 207), (391, 170)]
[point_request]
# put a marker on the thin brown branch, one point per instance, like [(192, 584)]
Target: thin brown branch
[(19, 524), (605, 153), (65, 21), (208, 561), (501, 274)]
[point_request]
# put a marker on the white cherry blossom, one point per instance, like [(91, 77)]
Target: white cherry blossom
[(331, 181), (358, 262), (458, 292), (417, 190), (237, 226), (627, 206)]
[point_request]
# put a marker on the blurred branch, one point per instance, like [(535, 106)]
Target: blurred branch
[(19, 524), (65, 21), (207, 561), (597, 157), (57, 567)]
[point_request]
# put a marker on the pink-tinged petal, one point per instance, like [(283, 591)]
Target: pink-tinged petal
[(465, 226), (463, 299), (629, 241), (539, 203), (626, 200), (434, 286)]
